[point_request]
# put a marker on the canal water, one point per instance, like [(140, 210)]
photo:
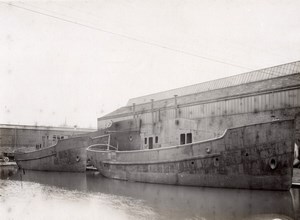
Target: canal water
[(54, 195)]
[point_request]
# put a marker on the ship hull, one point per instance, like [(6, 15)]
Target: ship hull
[(67, 155), (257, 156)]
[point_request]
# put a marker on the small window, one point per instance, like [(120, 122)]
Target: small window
[(145, 140), (156, 139), (182, 138), (189, 138), (54, 137), (150, 142), (62, 137)]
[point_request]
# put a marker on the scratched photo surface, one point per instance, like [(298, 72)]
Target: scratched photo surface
[(81, 81)]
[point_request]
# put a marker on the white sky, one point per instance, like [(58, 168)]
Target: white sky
[(55, 69)]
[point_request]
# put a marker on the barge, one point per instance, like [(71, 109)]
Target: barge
[(66, 155), (257, 156)]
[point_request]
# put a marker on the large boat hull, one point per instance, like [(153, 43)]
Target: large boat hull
[(67, 155), (257, 156)]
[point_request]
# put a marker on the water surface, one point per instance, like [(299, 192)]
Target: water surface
[(54, 195)]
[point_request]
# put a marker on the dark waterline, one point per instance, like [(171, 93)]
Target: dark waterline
[(71, 195)]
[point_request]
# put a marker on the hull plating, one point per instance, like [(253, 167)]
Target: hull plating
[(67, 155), (253, 157)]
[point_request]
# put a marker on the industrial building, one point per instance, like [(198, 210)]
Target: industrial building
[(34, 137), (205, 110), (188, 114)]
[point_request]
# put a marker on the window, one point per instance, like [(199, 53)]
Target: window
[(189, 138), (182, 138), (145, 140), (156, 139), (150, 142)]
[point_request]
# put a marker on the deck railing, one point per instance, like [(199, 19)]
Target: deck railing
[(107, 145)]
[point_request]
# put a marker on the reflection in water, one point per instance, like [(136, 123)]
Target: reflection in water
[(53, 195), (7, 171)]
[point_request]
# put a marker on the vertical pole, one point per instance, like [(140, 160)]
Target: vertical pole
[(152, 114), (133, 109), (108, 143), (159, 115), (176, 106), (15, 137)]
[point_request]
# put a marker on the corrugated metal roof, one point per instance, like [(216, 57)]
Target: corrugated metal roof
[(253, 76)]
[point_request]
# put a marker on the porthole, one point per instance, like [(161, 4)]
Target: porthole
[(208, 150), (130, 138), (273, 163)]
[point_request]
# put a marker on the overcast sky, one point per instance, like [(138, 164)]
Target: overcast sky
[(74, 61)]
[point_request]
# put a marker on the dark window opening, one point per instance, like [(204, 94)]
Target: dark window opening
[(145, 140), (156, 139), (189, 138), (150, 142), (182, 139)]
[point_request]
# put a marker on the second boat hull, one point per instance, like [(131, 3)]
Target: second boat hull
[(67, 155)]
